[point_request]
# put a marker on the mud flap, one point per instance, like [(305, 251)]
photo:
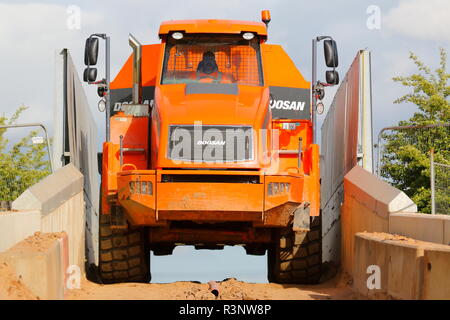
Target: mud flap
[(301, 218)]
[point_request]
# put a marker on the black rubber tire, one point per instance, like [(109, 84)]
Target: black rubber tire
[(124, 255), (297, 256)]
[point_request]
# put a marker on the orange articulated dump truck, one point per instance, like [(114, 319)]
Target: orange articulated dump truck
[(209, 143)]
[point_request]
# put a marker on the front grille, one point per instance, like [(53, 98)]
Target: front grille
[(210, 178), (210, 143)]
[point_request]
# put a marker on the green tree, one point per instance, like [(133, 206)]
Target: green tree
[(406, 157), (22, 163)]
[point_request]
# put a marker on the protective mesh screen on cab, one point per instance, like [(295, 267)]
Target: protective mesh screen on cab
[(205, 59)]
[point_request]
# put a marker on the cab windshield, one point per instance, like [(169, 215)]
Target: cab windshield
[(212, 58)]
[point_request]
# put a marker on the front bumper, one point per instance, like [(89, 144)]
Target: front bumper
[(155, 197)]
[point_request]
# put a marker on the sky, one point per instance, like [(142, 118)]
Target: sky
[(32, 33)]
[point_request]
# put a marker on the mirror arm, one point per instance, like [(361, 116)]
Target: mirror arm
[(103, 81)]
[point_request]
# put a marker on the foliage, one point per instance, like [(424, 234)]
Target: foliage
[(22, 163), (406, 159)]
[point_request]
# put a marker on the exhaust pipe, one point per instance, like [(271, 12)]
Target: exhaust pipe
[(136, 91)]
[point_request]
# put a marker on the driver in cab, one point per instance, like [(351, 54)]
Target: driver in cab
[(207, 69)]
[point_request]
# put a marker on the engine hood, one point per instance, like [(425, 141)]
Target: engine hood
[(243, 105)]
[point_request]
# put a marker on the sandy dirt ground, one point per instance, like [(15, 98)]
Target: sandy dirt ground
[(230, 289)]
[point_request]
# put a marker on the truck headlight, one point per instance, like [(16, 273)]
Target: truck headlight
[(177, 35), (248, 35)]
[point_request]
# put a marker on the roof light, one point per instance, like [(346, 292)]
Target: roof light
[(177, 35), (265, 17), (248, 36)]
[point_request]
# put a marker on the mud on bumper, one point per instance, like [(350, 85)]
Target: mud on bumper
[(156, 197)]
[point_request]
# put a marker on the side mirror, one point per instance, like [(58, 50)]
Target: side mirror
[(332, 77), (331, 54), (91, 51), (90, 74)]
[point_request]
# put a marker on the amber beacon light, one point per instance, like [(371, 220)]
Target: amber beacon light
[(265, 16)]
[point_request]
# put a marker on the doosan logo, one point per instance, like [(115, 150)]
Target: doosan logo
[(118, 105), (211, 143), (287, 105)]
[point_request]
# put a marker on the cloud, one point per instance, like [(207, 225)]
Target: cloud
[(32, 35), (420, 19)]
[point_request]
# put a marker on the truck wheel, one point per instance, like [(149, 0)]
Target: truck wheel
[(123, 254), (297, 256)]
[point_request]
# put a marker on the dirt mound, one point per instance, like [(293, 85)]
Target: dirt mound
[(404, 240), (11, 288), (37, 242), (230, 289)]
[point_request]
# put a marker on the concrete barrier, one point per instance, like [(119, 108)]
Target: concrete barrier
[(408, 269), (436, 279), (16, 226), (52, 191), (53, 205), (426, 227), (405, 269), (368, 202), (59, 200), (369, 252), (398, 262), (447, 232), (381, 230), (40, 263), (69, 217)]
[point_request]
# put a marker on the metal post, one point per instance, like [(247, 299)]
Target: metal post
[(433, 203), (108, 92), (379, 152), (299, 152), (313, 84), (121, 151)]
